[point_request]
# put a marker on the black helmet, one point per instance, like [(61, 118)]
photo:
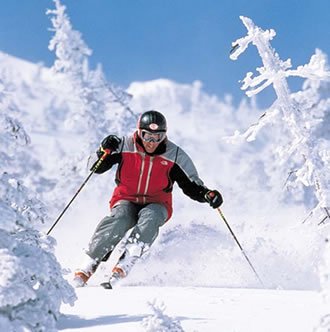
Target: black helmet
[(152, 121), (152, 127)]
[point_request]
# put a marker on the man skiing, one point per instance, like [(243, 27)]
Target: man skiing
[(148, 165)]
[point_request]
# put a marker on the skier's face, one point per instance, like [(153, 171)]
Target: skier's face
[(151, 140), (150, 147)]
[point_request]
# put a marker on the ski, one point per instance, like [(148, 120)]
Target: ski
[(106, 285)]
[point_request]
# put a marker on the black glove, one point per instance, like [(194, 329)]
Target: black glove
[(111, 142), (214, 198)]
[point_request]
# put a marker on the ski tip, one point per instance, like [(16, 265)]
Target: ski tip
[(106, 285)]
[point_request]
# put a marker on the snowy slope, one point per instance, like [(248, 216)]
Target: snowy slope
[(196, 236), (196, 309), (194, 249)]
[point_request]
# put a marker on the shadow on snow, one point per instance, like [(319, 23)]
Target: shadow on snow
[(75, 322)]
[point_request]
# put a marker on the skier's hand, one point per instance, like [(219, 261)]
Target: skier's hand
[(214, 198), (111, 142)]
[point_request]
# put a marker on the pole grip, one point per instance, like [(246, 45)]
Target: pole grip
[(106, 152)]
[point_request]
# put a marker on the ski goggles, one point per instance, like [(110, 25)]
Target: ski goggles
[(154, 137)]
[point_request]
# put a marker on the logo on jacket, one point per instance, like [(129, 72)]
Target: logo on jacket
[(164, 162)]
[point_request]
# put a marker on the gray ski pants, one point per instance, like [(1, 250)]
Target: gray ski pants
[(144, 219)]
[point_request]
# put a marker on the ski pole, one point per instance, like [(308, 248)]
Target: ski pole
[(94, 168), (242, 250)]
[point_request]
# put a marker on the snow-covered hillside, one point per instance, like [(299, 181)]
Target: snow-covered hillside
[(269, 229), (194, 249), (53, 120)]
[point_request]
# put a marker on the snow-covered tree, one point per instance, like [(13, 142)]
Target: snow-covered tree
[(31, 284), (159, 321), (297, 115), (93, 95), (97, 108), (303, 145), (22, 161)]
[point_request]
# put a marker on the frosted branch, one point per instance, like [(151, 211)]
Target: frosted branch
[(254, 32), (251, 133), (316, 69), (301, 113)]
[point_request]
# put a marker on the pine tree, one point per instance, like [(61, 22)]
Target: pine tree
[(31, 285), (100, 105), (98, 108)]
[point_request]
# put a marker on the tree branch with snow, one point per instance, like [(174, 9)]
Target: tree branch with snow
[(298, 118)]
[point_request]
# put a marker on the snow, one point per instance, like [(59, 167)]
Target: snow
[(195, 308), (195, 277), (193, 251)]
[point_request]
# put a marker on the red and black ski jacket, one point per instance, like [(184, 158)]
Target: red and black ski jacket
[(148, 178)]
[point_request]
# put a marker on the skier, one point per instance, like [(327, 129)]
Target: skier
[(148, 165)]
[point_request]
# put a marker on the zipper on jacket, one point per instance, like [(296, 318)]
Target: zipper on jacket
[(148, 179), (140, 177)]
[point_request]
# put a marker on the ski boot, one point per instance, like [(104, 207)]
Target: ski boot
[(117, 274), (126, 261), (82, 275)]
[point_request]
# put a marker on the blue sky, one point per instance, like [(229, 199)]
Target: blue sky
[(183, 40)]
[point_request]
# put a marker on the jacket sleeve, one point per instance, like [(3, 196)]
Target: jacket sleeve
[(185, 174), (113, 158), (108, 162)]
